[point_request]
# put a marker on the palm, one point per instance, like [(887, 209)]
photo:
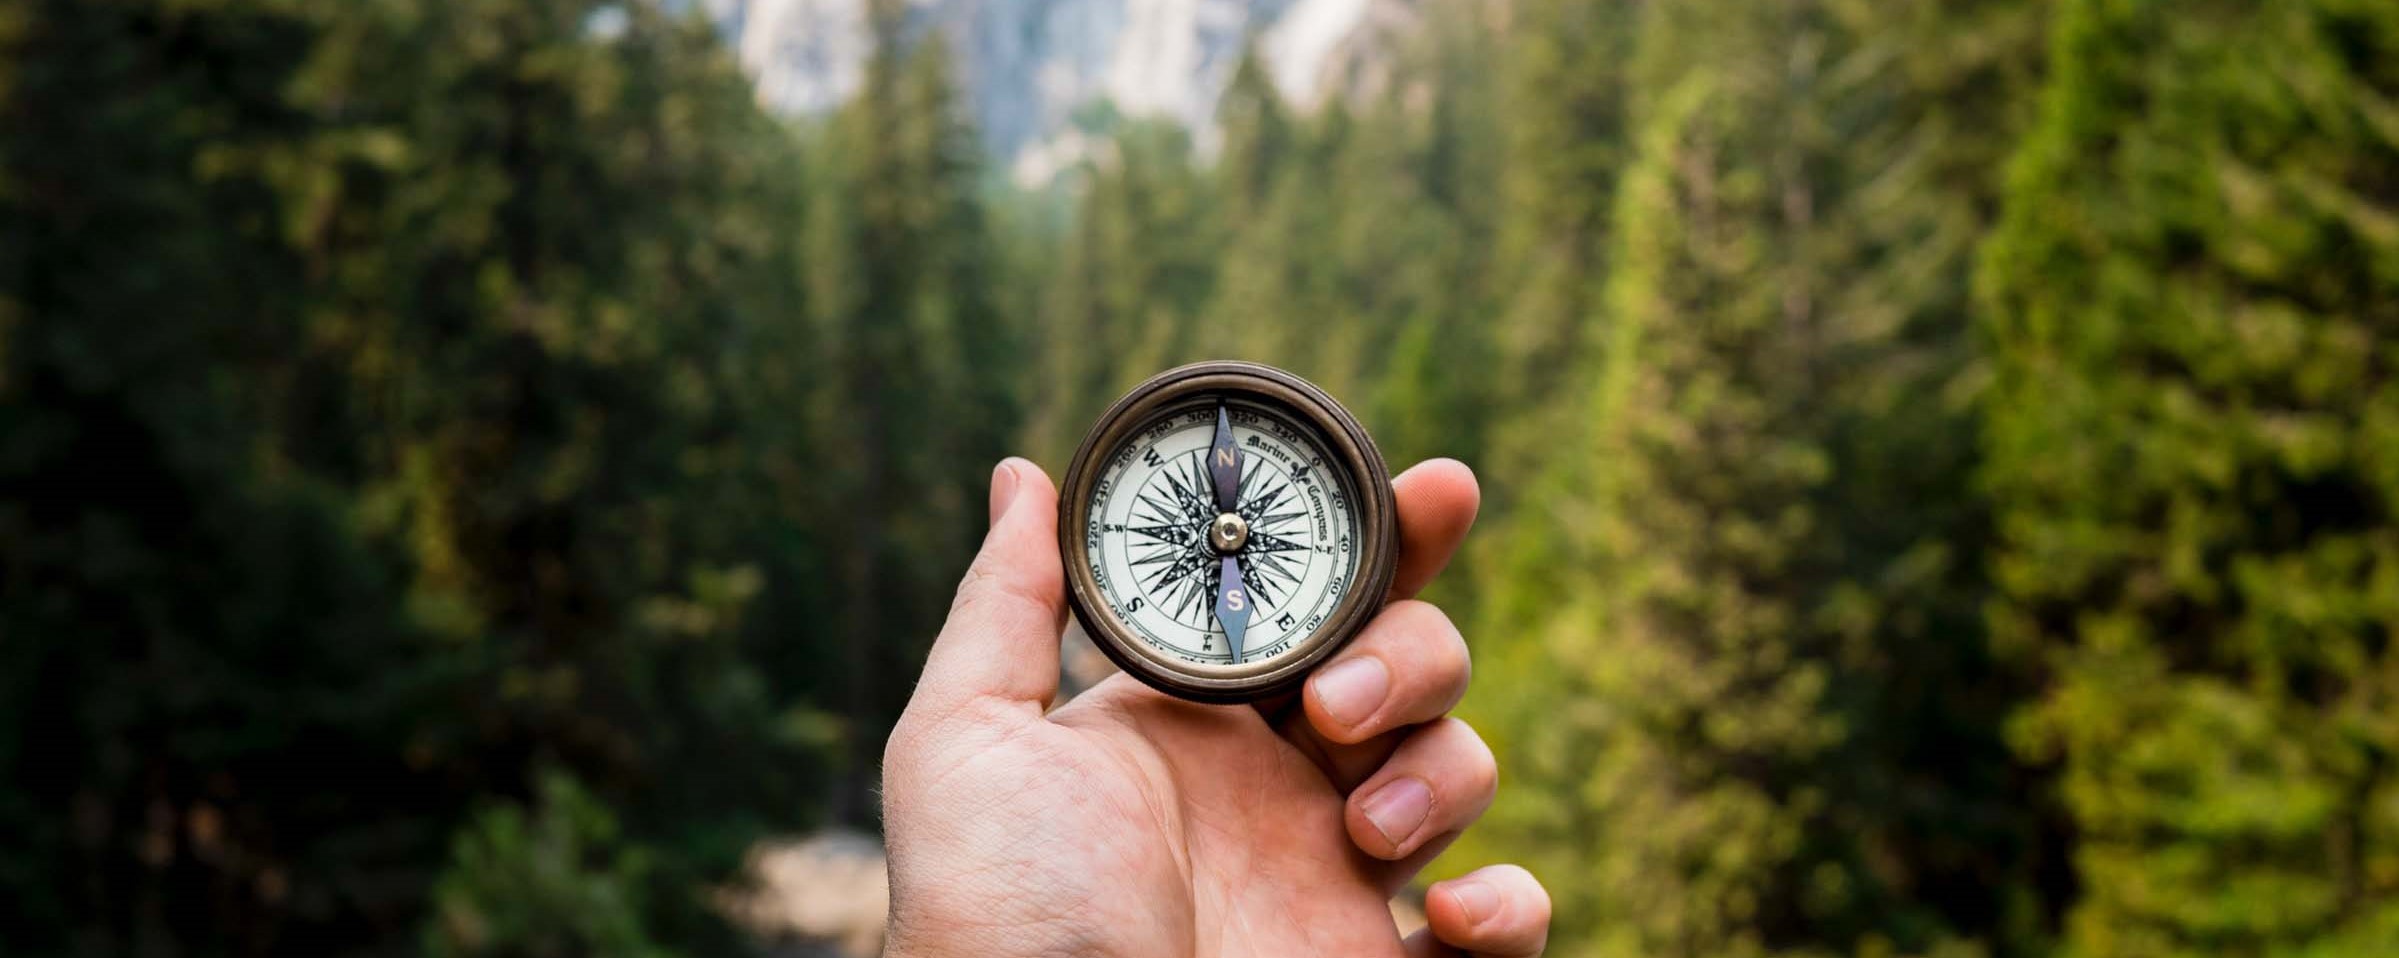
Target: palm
[(1178, 829)]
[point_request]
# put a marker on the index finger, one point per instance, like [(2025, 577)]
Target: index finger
[(1437, 500)]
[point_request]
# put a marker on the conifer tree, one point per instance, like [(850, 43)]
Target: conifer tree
[(901, 284), (1561, 96), (1277, 207), (1137, 266), (1764, 722), (1416, 246), (2190, 444), (367, 423), (1257, 140)]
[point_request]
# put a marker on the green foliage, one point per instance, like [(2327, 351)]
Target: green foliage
[(1134, 268), (1352, 246), (2189, 444), (1562, 91), (912, 403), (1258, 140), (466, 473), (399, 396), (1563, 99), (1765, 722), (552, 882)]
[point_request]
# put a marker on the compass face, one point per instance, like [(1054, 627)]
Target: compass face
[(1153, 507), (1226, 527)]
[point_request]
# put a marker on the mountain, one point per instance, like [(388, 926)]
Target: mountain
[(1042, 76)]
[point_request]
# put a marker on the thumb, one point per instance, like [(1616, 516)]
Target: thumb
[(1001, 640)]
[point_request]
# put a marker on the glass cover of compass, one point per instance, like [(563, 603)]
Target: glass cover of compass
[(1225, 526)]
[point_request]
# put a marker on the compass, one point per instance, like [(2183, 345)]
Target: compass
[(1225, 526)]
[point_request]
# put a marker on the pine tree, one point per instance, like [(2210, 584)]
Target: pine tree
[(1563, 99), (1752, 705), (1257, 140), (1415, 246), (1138, 265), (901, 285), (2190, 447), (1562, 94), (188, 609), (1277, 206), (369, 444)]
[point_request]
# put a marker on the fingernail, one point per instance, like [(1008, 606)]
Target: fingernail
[(1476, 899), (1350, 691), (1398, 809), (1003, 489)]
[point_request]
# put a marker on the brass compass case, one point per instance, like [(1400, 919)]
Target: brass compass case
[(1259, 394)]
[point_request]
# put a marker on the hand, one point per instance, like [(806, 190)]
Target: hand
[(1131, 823)]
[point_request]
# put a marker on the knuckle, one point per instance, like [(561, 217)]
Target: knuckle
[(1528, 895), (1418, 617), (975, 587), (1480, 766), (1427, 625), (1457, 665), (1435, 650), (987, 585)]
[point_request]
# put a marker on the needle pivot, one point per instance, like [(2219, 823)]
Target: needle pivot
[(1228, 533)]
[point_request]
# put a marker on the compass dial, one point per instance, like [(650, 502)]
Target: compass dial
[(1151, 544), (1225, 527)]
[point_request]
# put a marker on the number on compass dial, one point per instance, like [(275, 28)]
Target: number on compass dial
[(1153, 510)]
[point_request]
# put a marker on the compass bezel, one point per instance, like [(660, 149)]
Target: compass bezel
[(1363, 470)]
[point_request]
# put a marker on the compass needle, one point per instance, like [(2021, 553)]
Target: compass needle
[(1224, 463), (1232, 606)]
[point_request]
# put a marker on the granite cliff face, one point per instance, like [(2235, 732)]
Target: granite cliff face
[(1035, 72)]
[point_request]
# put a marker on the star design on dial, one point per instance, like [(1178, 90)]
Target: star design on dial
[(1177, 566)]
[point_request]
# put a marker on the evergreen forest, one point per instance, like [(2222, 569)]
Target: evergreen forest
[(468, 473)]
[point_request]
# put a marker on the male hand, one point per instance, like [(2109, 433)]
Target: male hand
[(1131, 823)]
